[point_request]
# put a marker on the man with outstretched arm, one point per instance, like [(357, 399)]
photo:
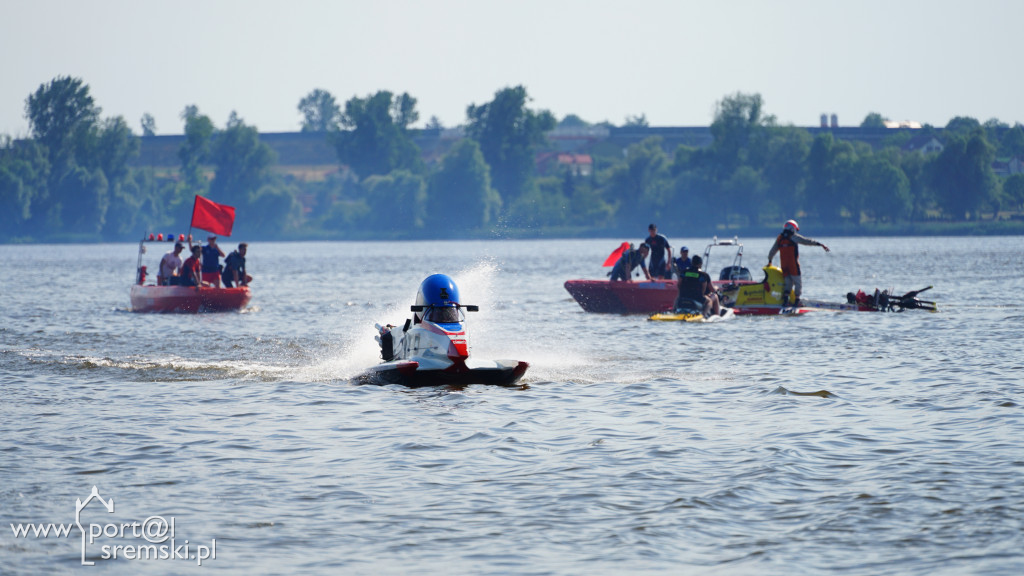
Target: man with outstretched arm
[(787, 245)]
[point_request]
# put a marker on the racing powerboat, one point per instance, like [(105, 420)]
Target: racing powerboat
[(605, 296), (432, 348)]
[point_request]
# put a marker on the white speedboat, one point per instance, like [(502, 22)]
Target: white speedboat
[(432, 348)]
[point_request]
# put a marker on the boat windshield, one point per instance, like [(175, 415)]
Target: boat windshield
[(444, 315)]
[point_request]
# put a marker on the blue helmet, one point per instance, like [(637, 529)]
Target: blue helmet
[(437, 290)]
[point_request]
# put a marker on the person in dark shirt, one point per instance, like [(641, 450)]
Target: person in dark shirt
[(234, 268), (630, 259), (661, 253), (683, 262), (695, 286), (211, 261)]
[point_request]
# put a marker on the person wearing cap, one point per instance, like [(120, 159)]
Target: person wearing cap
[(191, 270), (170, 266), (661, 253), (683, 262), (787, 245), (234, 268), (630, 259), (211, 261)]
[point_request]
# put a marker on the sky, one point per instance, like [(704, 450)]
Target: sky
[(668, 60)]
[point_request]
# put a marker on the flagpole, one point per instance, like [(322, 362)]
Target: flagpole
[(193, 217)]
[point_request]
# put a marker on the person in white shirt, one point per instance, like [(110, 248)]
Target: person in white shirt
[(170, 266)]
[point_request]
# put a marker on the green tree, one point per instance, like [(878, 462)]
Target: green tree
[(1013, 188), (962, 125), (638, 121), (739, 134), (82, 201), (785, 169), (24, 171), (831, 166), (397, 201), (195, 151), (460, 193), (962, 176), (509, 135), (572, 121), (148, 124), (873, 120), (243, 163), (885, 188), (376, 137), (543, 204), (59, 113), (320, 112), (641, 185), (1012, 142)]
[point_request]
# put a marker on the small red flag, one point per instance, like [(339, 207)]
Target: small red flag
[(614, 256), (212, 217)]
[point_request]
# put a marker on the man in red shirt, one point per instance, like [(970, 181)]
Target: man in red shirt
[(191, 270)]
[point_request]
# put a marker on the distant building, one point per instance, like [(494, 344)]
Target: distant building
[(577, 164), (1014, 165), (924, 144), (902, 124)]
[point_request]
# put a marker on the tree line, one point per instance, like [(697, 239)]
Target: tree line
[(74, 178)]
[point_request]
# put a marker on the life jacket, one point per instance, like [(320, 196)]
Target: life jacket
[(789, 254), (690, 285)]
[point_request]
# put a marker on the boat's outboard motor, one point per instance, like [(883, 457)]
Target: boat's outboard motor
[(439, 298)]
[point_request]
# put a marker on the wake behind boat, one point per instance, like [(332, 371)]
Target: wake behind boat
[(432, 348)]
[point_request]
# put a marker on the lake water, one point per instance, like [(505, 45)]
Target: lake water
[(631, 447)]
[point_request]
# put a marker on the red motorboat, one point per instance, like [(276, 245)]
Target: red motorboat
[(188, 299), (609, 297), (207, 215)]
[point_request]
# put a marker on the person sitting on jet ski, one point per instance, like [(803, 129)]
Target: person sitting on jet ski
[(695, 287)]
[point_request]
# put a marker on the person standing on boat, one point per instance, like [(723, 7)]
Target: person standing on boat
[(695, 285), (661, 253), (170, 266), (191, 270), (234, 268), (683, 262), (211, 261), (787, 245), (630, 259)]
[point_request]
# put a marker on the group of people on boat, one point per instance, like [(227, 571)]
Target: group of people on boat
[(203, 267), (696, 290)]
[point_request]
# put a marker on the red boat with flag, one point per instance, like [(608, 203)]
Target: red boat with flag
[(162, 297), (606, 296)]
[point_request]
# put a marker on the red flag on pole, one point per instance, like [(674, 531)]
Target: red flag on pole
[(614, 256), (212, 217)]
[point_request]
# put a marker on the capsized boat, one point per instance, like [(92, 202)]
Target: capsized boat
[(605, 296), (182, 299), (432, 348), (765, 298)]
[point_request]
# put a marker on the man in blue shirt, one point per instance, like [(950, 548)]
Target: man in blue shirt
[(683, 262), (211, 261)]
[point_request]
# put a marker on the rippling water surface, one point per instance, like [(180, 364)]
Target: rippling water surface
[(830, 443)]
